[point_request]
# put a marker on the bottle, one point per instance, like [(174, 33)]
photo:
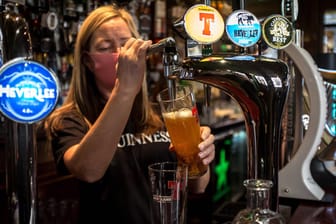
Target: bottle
[(160, 20), (145, 19), (257, 207)]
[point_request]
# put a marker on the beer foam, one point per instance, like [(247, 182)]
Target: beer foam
[(184, 112), (169, 115)]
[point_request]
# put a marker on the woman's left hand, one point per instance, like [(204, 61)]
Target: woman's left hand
[(207, 155), (207, 147)]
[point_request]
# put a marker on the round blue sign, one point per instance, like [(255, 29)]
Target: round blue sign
[(28, 91), (243, 28)]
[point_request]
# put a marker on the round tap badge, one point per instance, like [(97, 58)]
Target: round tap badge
[(204, 24), (243, 28), (28, 91), (277, 31)]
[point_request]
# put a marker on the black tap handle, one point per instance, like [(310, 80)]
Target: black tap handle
[(166, 43)]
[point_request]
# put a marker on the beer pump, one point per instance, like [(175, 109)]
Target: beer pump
[(260, 86), (295, 177), (28, 93)]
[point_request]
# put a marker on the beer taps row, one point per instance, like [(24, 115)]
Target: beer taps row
[(260, 85)]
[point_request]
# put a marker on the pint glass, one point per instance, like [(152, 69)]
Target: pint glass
[(180, 115), (169, 182)]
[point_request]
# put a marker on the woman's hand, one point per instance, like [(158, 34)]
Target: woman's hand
[(207, 155), (207, 147), (132, 65)]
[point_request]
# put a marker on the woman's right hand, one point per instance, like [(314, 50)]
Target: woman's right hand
[(131, 66)]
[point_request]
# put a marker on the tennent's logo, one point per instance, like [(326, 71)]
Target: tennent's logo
[(204, 24), (28, 91)]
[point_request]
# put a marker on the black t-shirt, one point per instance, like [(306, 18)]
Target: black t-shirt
[(123, 195)]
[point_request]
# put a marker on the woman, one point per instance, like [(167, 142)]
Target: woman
[(106, 133)]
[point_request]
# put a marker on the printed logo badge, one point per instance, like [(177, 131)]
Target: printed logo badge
[(28, 91), (277, 31), (204, 24), (175, 189), (243, 28)]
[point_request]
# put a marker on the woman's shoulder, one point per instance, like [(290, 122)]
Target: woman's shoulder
[(66, 116), (72, 116)]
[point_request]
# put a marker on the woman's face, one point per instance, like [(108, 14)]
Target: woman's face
[(103, 54), (110, 36)]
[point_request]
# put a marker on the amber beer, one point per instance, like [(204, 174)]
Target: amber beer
[(182, 122)]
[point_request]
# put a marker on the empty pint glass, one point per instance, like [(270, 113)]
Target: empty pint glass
[(169, 182), (180, 115)]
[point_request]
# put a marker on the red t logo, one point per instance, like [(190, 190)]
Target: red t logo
[(206, 17), (175, 187)]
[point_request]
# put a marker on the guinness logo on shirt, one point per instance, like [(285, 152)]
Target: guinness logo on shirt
[(130, 139)]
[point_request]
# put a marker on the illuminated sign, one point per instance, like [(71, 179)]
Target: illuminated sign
[(221, 170), (230, 165), (28, 91), (277, 32), (204, 24), (243, 28)]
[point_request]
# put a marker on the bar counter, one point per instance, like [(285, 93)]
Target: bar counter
[(314, 212)]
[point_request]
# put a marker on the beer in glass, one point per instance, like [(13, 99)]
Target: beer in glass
[(180, 115)]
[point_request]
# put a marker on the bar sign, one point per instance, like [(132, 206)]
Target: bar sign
[(204, 24)]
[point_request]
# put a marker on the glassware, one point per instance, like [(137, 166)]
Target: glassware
[(257, 209), (169, 182), (180, 115)]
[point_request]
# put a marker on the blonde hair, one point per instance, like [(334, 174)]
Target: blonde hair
[(83, 95)]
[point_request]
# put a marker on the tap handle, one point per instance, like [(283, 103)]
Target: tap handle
[(166, 44), (238, 4), (207, 95), (289, 9)]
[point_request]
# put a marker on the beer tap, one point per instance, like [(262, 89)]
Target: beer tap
[(19, 72), (20, 171), (260, 86), (301, 144), (170, 58)]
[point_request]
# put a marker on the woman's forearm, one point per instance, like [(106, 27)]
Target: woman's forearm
[(89, 159)]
